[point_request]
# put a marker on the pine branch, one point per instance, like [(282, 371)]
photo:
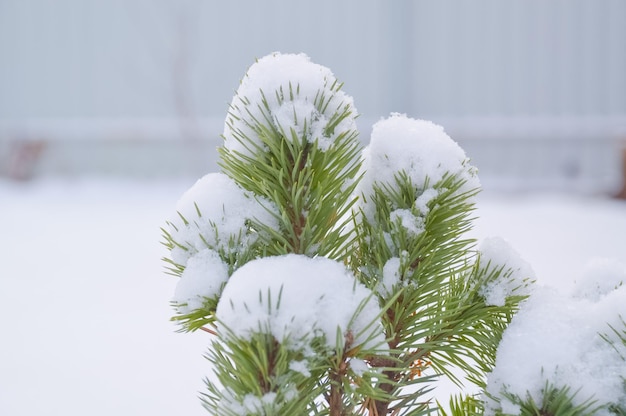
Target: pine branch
[(291, 155), (440, 320), (463, 406), (555, 401)]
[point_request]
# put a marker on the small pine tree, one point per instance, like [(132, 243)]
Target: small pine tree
[(337, 280)]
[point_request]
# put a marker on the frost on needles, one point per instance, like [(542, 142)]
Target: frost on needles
[(339, 280)]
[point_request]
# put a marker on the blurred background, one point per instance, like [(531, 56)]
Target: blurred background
[(534, 90)]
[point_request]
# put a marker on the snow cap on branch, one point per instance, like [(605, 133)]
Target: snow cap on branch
[(290, 94), (559, 339), (496, 253), (213, 211), (296, 298), (419, 148), (202, 279)]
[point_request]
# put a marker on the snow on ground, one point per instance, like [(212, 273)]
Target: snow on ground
[(557, 234), (84, 304)]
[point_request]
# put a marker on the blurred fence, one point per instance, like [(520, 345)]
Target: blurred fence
[(582, 154), (534, 90), (145, 148), (565, 154)]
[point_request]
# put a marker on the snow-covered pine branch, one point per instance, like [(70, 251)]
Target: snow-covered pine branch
[(337, 280)]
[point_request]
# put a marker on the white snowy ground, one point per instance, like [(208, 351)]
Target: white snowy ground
[(84, 304)]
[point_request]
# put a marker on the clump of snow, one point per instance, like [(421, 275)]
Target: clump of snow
[(359, 367), (291, 94), (414, 225), (496, 253), (250, 404), (600, 277), (391, 277), (271, 403), (421, 203), (214, 211), (202, 279), (300, 367), (419, 148), (290, 392), (557, 338), (295, 298), (254, 404)]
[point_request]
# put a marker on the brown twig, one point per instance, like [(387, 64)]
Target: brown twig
[(335, 398), (210, 331)]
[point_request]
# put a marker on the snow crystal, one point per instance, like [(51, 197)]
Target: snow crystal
[(294, 296), (215, 209), (202, 278), (496, 253), (601, 276), (556, 338), (419, 148), (285, 90)]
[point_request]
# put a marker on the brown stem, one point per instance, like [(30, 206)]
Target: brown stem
[(265, 382), (394, 368), (337, 377), (382, 406), (396, 371), (210, 331), (298, 227), (298, 219), (335, 399)]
